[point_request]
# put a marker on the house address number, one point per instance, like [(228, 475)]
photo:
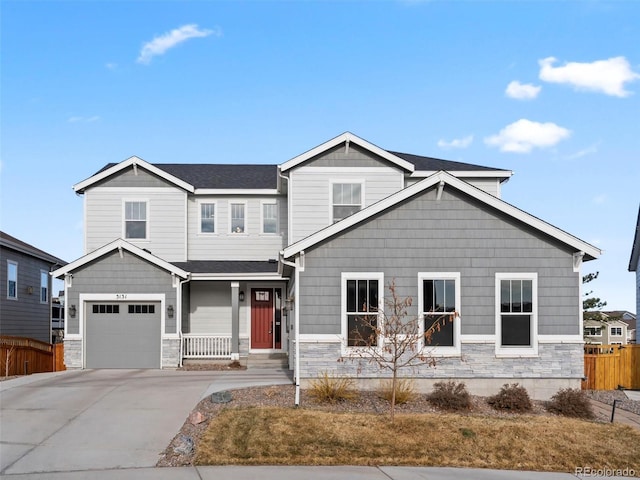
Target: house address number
[(121, 296)]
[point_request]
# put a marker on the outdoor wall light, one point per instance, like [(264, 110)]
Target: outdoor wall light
[(288, 303), (170, 311), (30, 290), (241, 296), (72, 311)]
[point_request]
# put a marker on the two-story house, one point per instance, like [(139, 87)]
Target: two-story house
[(227, 261), (25, 280)]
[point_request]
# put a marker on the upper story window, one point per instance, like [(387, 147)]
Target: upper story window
[(135, 220), (44, 287), (516, 316), (362, 295), (269, 218), (12, 280), (615, 331), (439, 306), (347, 200), (237, 211), (593, 331), (207, 218)]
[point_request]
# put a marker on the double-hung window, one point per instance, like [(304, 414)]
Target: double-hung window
[(269, 218), (439, 308), (135, 220), (44, 287), (207, 218), (516, 313), (237, 217), (12, 280), (362, 300), (347, 199), (615, 331)]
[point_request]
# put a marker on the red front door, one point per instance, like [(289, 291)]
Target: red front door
[(262, 318)]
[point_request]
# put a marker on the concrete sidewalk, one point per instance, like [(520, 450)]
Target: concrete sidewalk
[(621, 416), (298, 473)]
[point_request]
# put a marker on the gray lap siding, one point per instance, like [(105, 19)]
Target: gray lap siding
[(115, 275), (454, 234)]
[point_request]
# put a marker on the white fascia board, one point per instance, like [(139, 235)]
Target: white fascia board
[(454, 182), (236, 191), (80, 187), (504, 174), (350, 137), (115, 245)]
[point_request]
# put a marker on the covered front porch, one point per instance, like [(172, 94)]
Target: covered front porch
[(233, 310)]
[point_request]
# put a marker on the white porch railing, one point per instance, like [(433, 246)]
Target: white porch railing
[(206, 346)]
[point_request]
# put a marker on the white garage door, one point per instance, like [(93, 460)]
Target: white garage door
[(123, 335)]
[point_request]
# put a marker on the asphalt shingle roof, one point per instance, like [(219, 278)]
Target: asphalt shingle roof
[(436, 164), (227, 266)]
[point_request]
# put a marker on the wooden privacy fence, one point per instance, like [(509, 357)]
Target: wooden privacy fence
[(607, 367), (22, 356)]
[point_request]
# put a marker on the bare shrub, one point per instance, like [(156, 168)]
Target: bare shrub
[(450, 396), (513, 397), (330, 389), (405, 390), (571, 402)]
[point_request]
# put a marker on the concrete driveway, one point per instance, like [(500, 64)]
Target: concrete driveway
[(103, 419)]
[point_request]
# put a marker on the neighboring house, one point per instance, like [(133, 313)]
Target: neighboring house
[(629, 319), (25, 280), (634, 261), (227, 261), (605, 328)]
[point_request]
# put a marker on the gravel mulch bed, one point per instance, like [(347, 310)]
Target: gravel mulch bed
[(181, 450)]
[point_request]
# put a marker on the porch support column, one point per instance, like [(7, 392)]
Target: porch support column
[(235, 320)]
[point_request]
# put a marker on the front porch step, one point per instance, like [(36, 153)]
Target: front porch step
[(278, 361)]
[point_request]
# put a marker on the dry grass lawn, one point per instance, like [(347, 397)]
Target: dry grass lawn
[(287, 436)]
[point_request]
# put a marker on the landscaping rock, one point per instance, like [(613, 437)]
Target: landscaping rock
[(221, 397), (184, 445)]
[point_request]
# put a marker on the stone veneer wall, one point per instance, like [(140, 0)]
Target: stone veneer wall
[(557, 366), (73, 353), (170, 352)]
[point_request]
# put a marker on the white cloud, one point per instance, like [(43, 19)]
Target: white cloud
[(599, 199), (456, 142), (77, 119), (605, 76), (524, 135), (584, 152), (522, 91), (111, 65), (159, 45)]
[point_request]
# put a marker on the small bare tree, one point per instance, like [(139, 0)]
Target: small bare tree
[(394, 340), (8, 360)]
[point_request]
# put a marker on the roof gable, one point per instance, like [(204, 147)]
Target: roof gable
[(134, 162), (347, 138), (119, 244), (442, 179)]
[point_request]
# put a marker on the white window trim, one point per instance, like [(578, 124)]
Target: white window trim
[(246, 220), (354, 181), (611, 334), (438, 351), (348, 351), (215, 217), (11, 262), (532, 350), (262, 204), (147, 229), (46, 276), (595, 334)]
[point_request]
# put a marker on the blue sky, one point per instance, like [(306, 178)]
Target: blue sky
[(549, 90)]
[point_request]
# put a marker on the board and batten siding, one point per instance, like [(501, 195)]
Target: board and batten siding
[(455, 234), (224, 245), (25, 316), (166, 207), (113, 274)]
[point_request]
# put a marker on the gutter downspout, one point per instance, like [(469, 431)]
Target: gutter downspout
[(179, 313), (298, 267)]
